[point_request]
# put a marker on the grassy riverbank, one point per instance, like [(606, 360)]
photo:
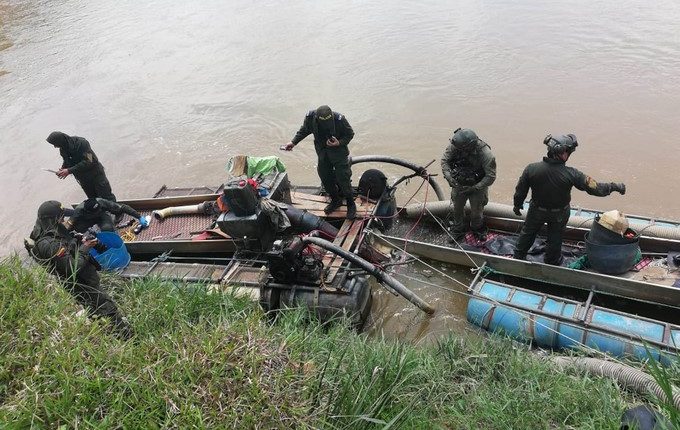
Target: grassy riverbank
[(210, 360)]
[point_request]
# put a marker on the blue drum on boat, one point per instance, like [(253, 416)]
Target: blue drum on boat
[(556, 322), (116, 256)]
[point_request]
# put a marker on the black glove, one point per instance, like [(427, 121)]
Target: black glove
[(517, 211), (619, 187)]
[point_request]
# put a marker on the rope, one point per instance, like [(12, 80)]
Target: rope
[(445, 230), (520, 311), (420, 217), (128, 235)]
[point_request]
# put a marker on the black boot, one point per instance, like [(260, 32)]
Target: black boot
[(351, 209), (480, 235), (332, 206), (457, 237)]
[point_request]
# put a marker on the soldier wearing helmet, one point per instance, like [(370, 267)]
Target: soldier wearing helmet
[(52, 246), (470, 168), (550, 182), (332, 134)]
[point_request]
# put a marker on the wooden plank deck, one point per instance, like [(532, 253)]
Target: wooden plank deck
[(347, 236), (348, 232), (315, 205)]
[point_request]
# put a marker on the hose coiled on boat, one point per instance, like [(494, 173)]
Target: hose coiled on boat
[(403, 163), (629, 377)]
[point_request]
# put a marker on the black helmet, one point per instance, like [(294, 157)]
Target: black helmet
[(464, 138), (50, 209), (562, 143)]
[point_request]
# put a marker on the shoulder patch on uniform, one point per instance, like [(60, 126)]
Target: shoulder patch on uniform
[(591, 183)]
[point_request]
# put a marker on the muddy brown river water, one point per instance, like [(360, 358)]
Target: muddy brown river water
[(167, 91)]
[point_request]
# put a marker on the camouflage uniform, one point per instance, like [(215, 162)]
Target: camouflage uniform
[(470, 172), (54, 248)]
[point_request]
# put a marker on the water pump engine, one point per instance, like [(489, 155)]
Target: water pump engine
[(288, 264)]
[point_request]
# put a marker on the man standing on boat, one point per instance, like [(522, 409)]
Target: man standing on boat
[(332, 134), (470, 168), (80, 161), (550, 182)]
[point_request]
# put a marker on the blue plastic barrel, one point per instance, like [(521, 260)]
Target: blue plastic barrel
[(116, 256), (502, 308)]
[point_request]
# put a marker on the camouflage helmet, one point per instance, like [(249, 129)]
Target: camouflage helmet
[(562, 143), (464, 138)]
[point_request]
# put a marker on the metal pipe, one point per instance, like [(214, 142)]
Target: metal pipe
[(403, 163), (379, 274), (499, 210), (179, 210)]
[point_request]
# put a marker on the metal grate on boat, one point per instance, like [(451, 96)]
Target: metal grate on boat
[(186, 272), (186, 191), (178, 227)]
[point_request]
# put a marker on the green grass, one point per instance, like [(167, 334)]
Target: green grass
[(204, 359)]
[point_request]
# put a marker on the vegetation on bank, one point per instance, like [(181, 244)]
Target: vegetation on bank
[(211, 360)]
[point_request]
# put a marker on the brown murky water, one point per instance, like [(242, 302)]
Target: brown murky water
[(166, 91)]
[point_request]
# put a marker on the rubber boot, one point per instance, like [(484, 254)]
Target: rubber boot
[(481, 234), (457, 237), (333, 205)]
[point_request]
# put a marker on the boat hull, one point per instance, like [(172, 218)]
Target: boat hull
[(583, 280)]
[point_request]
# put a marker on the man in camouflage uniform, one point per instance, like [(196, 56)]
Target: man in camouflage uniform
[(332, 133), (95, 211), (470, 168), (550, 182), (80, 160), (52, 246)]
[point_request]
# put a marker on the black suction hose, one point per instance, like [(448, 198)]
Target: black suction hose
[(379, 274), (305, 221), (399, 162)]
